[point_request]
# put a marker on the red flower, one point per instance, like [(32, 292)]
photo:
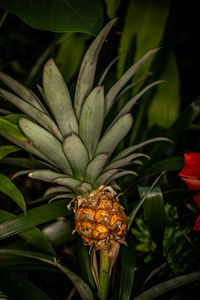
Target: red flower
[(190, 174)]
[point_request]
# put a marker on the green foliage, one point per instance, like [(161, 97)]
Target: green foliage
[(162, 232), (166, 96), (59, 16), (69, 55), (179, 244), (143, 235), (112, 7), (143, 18), (8, 188)]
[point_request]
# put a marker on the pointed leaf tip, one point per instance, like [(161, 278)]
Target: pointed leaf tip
[(58, 98), (88, 67)]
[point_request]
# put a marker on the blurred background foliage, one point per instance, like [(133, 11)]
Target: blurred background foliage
[(161, 243)]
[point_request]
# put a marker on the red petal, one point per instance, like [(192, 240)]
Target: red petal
[(193, 183), (192, 165), (197, 199), (190, 174), (197, 224)]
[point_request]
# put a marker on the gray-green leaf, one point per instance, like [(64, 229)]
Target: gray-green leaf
[(46, 144), (58, 98), (88, 67), (76, 154), (116, 133), (91, 119)]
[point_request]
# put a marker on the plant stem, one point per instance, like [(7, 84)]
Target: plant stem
[(104, 273)]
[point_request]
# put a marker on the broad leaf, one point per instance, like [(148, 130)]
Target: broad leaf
[(59, 16), (144, 19), (164, 109), (111, 7), (7, 187), (154, 212)]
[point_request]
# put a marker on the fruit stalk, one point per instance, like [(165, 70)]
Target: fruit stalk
[(104, 273)]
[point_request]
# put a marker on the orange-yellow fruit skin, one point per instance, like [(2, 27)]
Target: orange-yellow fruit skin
[(99, 218)]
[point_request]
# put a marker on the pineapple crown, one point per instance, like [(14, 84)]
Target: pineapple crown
[(74, 152)]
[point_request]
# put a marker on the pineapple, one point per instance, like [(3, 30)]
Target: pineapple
[(74, 151)]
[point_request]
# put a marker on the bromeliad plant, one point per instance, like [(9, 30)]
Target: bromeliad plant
[(75, 149)]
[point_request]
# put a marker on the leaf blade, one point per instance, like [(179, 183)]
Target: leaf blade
[(58, 98), (46, 143), (111, 139), (59, 16), (91, 119), (8, 188), (87, 70)]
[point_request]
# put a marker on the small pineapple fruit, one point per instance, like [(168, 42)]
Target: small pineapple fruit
[(100, 218), (73, 149)]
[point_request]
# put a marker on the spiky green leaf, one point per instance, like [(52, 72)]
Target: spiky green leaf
[(22, 91), (76, 154), (84, 188), (116, 133), (58, 98), (45, 143), (95, 167), (45, 175), (91, 119), (131, 149), (128, 106), (123, 162), (71, 183), (113, 92), (121, 173), (33, 112), (87, 70), (56, 189), (104, 178)]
